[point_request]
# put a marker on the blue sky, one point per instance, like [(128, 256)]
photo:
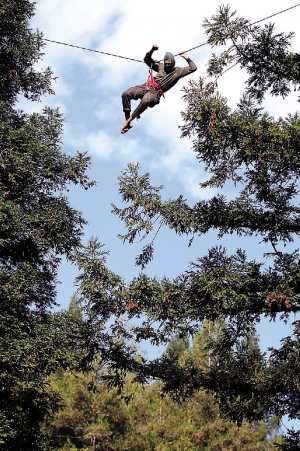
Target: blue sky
[(88, 91)]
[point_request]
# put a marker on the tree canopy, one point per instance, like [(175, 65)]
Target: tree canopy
[(37, 227), (100, 419), (246, 147), (258, 154)]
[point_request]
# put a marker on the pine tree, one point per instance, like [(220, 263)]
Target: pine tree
[(37, 227), (102, 419), (176, 347), (75, 306)]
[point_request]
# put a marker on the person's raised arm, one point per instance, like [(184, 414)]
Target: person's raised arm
[(192, 65), (148, 58)]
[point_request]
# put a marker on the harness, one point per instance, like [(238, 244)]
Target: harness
[(151, 81)]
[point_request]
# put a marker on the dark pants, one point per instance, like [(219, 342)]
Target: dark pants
[(149, 98)]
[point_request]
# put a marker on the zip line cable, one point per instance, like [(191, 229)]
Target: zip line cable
[(140, 61), (96, 51), (254, 23), (276, 14)]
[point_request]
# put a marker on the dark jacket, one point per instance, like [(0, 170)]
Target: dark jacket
[(167, 80)]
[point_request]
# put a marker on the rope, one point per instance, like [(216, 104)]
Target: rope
[(254, 23), (193, 48), (140, 61), (276, 14), (96, 51)]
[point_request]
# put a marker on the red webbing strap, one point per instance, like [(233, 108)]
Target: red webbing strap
[(150, 80)]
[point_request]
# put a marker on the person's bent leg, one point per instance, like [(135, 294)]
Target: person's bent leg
[(150, 99), (133, 93), (127, 125)]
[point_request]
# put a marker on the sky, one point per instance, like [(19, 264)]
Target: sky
[(88, 92)]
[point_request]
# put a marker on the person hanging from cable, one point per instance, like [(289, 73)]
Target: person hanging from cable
[(155, 87)]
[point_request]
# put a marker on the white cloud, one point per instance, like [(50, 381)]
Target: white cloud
[(190, 178), (108, 147)]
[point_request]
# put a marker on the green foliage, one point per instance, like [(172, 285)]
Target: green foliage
[(21, 48), (263, 52), (176, 347), (37, 227), (101, 419), (259, 155), (75, 306)]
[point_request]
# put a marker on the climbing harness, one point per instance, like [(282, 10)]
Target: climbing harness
[(151, 81)]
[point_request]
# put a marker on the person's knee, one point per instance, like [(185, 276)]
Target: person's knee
[(147, 100), (124, 95), (153, 103), (150, 100)]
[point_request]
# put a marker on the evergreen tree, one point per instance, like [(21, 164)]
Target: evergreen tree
[(176, 347), (37, 227), (259, 155), (102, 419), (75, 306)]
